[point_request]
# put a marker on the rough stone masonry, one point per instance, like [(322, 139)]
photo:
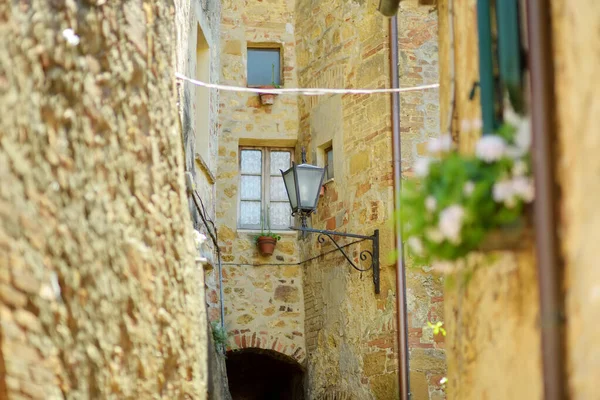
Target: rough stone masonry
[(100, 293)]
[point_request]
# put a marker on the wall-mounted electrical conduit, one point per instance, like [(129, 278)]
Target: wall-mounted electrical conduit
[(212, 231)]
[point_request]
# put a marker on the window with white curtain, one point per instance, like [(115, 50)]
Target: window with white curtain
[(262, 193)]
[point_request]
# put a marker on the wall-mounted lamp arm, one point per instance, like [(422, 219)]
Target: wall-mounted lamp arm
[(364, 255)]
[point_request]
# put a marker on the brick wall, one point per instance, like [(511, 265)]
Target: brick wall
[(350, 330)]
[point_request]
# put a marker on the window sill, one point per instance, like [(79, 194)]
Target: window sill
[(204, 168)]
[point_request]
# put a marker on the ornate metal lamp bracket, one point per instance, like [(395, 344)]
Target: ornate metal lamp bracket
[(365, 255)]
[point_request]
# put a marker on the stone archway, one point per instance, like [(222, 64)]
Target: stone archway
[(260, 374), (291, 345)]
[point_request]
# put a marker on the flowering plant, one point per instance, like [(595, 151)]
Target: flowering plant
[(459, 199)]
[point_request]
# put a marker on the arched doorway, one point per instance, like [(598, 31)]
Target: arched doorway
[(258, 374)]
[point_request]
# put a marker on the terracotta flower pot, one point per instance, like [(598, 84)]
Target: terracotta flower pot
[(267, 98), (266, 245)]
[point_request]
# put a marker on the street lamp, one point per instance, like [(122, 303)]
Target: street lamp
[(303, 185)]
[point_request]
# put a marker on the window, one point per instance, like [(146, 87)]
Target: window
[(264, 66), (328, 163), (262, 188), (202, 97)]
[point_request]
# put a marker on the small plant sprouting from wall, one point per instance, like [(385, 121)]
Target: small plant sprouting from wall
[(437, 328), (219, 336)]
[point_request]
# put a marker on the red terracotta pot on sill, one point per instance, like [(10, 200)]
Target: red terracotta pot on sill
[(267, 99), (266, 245)]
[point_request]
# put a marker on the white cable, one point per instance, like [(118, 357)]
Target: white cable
[(304, 91)]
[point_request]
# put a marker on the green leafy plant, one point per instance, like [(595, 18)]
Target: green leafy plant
[(266, 222), (219, 334), (458, 199), (275, 85)]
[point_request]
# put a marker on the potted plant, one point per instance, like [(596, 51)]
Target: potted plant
[(465, 203), (266, 240), (269, 98)]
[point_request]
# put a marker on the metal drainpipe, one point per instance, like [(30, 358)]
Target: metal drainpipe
[(403, 380), (545, 227)]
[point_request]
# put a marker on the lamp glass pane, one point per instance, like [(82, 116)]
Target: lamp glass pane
[(309, 184), (290, 185)]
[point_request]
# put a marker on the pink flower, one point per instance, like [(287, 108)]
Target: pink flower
[(468, 188), (450, 223), (443, 144), (422, 167), (523, 187), (430, 203), (415, 245), (490, 148)]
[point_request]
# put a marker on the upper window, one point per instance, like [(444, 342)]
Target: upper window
[(264, 66), (262, 190)]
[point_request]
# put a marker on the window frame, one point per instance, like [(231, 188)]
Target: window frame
[(264, 183), (326, 163), (263, 46)]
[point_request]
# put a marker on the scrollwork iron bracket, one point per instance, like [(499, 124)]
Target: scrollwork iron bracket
[(365, 255)]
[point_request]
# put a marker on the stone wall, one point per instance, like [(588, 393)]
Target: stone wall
[(263, 303), (350, 330), (491, 313), (101, 296), (577, 66)]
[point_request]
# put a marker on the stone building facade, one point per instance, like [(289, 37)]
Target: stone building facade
[(101, 288), (493, 319), (322, 314)]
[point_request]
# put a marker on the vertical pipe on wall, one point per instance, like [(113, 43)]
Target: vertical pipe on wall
[(402, 328), (541, 66)]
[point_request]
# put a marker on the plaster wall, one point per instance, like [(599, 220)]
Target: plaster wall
[(577, 56)]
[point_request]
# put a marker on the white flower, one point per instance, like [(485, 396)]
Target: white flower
[(443, 267), (434, 235), (450, 223), (523, 187), (422, 167), (520, 168), (430, 203), (442, 144), (502, 191), (71, 37), (468, 188), (477, 124), (415, 245), (512, 117), (490, 148), (523, 136)]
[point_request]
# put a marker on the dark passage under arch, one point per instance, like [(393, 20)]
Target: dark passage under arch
[(258, 374)]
